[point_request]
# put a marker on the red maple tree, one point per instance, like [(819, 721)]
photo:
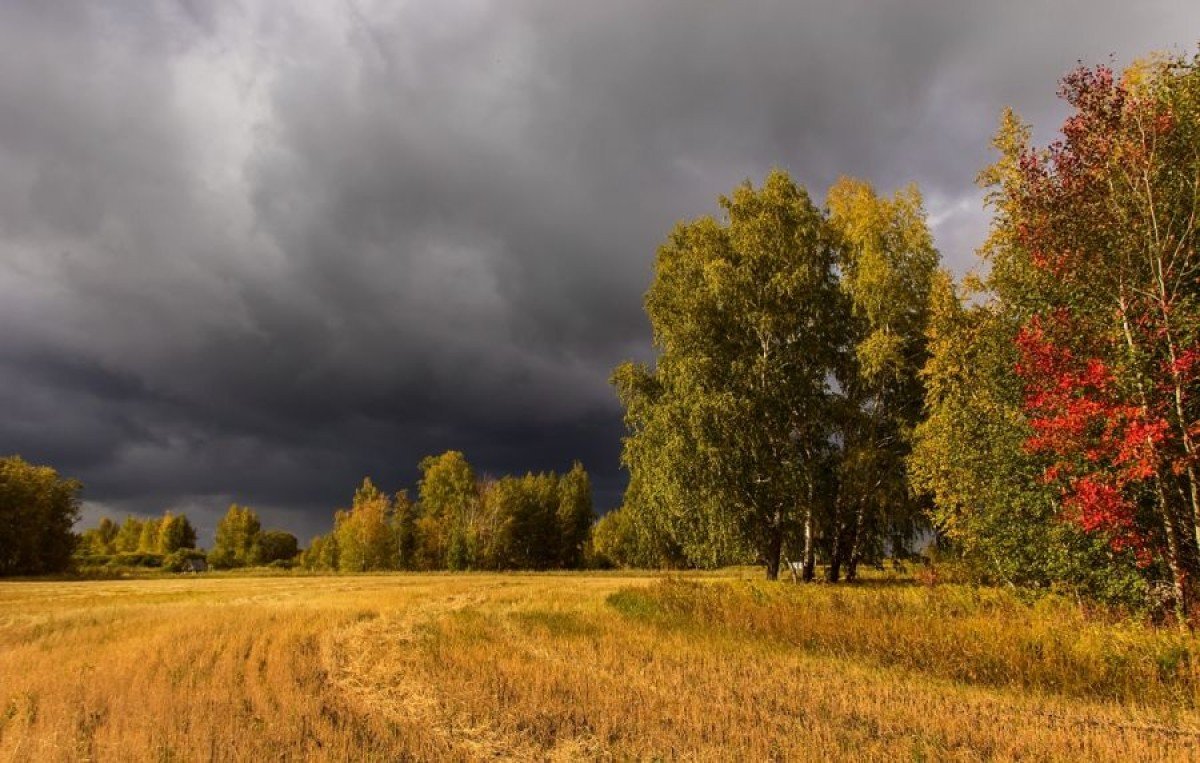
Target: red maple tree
[(1110, 355)]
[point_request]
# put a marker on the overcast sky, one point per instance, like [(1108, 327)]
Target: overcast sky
[(256, 251)]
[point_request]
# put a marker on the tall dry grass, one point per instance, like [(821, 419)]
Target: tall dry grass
[(568, 667), (974, 635)]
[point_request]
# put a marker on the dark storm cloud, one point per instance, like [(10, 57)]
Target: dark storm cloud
[(255, 251)]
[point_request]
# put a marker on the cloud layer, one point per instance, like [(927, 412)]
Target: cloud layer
[(257, 251)]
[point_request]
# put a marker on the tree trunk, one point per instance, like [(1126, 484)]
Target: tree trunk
[(774, 547), (837, 544), (855, 538), (808, 564), (1177, 562), (1183, 565)]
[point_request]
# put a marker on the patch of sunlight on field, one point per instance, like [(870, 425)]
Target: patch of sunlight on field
[(558, 667)]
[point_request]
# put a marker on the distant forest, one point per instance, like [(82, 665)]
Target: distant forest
[(825, 394), (458, 522)]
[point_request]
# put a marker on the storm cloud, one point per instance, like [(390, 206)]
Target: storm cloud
[(257, 251)]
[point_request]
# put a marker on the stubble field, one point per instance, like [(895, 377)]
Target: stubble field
[(578, 667)]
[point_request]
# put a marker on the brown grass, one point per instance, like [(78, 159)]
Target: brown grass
[(570, 667)]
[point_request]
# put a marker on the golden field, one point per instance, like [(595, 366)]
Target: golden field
[(579, 667)]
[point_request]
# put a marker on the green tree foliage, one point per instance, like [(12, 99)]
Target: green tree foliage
[(727, 431), (235, 544), (887, 262), (100, 540), (148, 539), (138, 542), (520, 514), (537, 521), (990, 503), (621, 538), (1060, 443), (449, 500), (366, 536), (276, 546), (175, 531), (37, 510), (575, 515), (408, 542), (129, 536)]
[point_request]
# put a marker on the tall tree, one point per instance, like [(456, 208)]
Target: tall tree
[(990, 503), (1110, 353), (129, 535), (236, 537), (724, 430), (575, 515), (175, 532), (100, 539), (449, 498), (407, 539), (37, 511), (887, 262), (148, 540), (366, 537)]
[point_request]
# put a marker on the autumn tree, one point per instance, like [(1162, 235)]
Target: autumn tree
[(449, 498), (148, 539), (724, 429), (406, 514), (366, 537), (128, 535), (101, 539), (886, 264), (175, 531), (574, 515), (37, 511), (235, 539), (1110, 353), (152, 536), (321, 554), (990, 505)]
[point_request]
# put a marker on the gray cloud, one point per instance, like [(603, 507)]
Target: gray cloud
[(256, 251)]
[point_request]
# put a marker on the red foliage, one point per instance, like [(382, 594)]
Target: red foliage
[(1103, 447), (1112, 363)]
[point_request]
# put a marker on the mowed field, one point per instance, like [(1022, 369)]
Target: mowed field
[(577, 667)]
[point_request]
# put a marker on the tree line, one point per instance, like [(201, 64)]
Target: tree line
[(825, 393), (461, 521)]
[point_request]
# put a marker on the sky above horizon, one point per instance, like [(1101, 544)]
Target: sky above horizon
[(253, 252)]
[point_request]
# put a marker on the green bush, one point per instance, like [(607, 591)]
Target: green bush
[(174, 561), (135, 559)]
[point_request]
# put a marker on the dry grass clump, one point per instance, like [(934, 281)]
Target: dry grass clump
[(976, 635), (546, 667)]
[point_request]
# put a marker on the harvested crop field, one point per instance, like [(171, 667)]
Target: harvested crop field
[(577, 667)]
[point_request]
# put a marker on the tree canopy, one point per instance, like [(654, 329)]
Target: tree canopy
[(37, 510), (789, 341)]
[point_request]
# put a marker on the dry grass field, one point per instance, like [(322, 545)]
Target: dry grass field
[(577, 667)]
